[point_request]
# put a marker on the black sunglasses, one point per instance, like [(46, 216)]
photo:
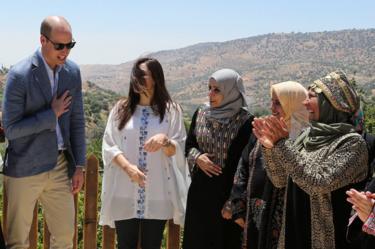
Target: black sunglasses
[(60, 46)]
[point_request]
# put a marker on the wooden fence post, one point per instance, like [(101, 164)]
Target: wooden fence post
[(75, 238), (109, 237), (46, 234), (33, 235), (91, 203), (173, 235), (5, 211)]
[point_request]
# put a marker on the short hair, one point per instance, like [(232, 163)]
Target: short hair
[(46, 28)]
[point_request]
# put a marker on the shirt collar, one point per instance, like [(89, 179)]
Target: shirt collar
[(49, 70)]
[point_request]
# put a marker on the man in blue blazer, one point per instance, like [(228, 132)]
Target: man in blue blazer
[(44, 123)]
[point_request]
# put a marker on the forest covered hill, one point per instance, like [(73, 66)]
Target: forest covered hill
[(261, 60)]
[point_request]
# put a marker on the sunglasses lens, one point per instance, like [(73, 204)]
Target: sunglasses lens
[(70, 45), (59, 46)]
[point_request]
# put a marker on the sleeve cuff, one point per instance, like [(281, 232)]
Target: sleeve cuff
[(369, 225), (192, 158)]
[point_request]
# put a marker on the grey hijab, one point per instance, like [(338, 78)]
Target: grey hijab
[(231, 86)]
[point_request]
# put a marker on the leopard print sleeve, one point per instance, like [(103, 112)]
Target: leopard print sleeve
[(326, 169), (275, 172)]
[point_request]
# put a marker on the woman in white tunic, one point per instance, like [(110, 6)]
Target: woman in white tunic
[(145, 181)]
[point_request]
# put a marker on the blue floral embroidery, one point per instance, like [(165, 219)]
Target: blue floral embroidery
[(142, 163)]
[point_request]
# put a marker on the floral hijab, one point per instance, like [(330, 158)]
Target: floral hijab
[(338, 102)]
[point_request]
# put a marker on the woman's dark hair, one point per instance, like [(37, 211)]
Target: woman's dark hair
[(160, 100)]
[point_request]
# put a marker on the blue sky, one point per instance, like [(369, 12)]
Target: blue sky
[(115, 31)]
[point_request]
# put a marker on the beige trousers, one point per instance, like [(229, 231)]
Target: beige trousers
[(53, 190)]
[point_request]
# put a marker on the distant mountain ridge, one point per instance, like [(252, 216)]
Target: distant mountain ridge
[(261, 60)]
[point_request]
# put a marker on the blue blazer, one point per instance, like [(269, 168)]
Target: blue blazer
[(30, 122)]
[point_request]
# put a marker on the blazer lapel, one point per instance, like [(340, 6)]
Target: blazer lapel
[(41, 77), (63, 83)]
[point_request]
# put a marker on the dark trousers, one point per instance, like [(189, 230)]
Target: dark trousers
[(128, 232)]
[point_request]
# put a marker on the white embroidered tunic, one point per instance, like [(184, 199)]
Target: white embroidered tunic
[(162, 197)]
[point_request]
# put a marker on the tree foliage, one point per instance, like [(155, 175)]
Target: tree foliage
[(4, 70), (367, 104)]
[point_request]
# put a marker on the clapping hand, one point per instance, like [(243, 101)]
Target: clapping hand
[(269, 130), (362, 202)]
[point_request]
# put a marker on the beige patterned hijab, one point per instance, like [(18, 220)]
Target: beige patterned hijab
[(291, 94)]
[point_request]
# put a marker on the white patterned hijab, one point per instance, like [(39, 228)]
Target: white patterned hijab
[(230, 84)]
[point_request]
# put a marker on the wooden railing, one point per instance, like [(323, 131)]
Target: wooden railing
[(90, 219)]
